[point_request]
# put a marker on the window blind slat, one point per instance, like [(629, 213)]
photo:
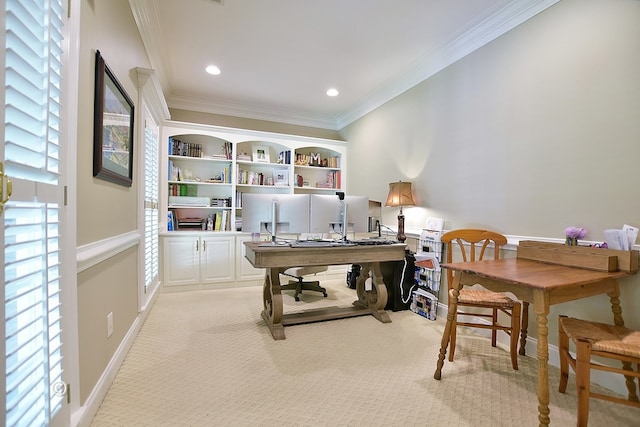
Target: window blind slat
[(32, 122)]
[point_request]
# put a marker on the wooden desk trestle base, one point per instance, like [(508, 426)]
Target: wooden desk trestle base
[(544, 274), (371, 294)]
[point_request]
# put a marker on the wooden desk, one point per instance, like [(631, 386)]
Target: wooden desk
[(542, 284), (276, 259)]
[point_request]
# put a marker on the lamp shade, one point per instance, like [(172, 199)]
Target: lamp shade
[(400, 194)]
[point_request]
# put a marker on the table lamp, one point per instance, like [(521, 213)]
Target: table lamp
[(400, 195)]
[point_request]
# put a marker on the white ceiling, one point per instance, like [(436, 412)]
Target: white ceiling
[(278, 57)]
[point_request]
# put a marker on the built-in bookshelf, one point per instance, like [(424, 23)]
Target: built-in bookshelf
[(209, 168)]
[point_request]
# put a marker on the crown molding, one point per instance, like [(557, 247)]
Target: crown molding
[(484, 30), (256, 112), (150, 87)]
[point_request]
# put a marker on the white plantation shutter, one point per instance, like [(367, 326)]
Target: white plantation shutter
[(31, 239), (150, 208)]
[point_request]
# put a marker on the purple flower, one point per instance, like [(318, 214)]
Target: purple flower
[(575, 232)]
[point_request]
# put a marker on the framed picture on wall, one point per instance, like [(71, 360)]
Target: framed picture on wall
[(112, 128), (261, 154)]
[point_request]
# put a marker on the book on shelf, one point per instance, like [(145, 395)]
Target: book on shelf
[(218, 221), (284, 157), (183, 148), (227, 150)]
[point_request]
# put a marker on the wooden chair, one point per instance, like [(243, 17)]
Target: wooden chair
[(300, 284), (597, 339), (478, 242)]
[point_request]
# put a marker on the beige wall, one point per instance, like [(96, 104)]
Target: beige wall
[(530, 134), (109, 287), (534, 132), (104, 209)]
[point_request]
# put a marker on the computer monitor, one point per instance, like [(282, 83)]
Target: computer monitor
[(289, 213), (324, 213), (327, 214)]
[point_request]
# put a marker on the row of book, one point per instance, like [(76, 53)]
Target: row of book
[(332, 181), (183, 148), (254, 178), (284, 157), (218, 221), (194, 149)]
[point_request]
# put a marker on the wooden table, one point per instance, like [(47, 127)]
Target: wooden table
[(372, 298), (542, 284)]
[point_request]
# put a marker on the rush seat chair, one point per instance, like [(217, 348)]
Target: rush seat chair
[(473, 245), (602, 340)]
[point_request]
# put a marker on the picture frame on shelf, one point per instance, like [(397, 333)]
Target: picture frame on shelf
[(112, 127), (261, 154), (281, 177)]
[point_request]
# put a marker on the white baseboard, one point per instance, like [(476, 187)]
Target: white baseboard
[(84, 415)]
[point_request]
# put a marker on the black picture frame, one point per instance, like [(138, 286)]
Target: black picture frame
[(112, 128)]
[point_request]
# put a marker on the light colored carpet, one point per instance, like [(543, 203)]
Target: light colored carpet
[(207, 359)]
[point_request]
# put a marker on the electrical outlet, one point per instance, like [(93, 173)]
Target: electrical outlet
[(109, 324)]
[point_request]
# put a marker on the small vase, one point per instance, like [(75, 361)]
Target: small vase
[(571, 241)]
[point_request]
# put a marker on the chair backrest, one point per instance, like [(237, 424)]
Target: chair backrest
[(477, 241)]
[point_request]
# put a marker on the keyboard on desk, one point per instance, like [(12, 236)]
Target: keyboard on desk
[(313, 243), (370, 242)]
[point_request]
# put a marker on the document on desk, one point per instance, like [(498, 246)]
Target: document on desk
[(621, 240)]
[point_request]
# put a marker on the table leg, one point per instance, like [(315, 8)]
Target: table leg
[(446, 335), (375, 299), (614, 297), (541, 304), (272, 303)]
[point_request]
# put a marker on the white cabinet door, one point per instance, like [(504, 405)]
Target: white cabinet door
[(181, 260), (244, 270), (217, 259)]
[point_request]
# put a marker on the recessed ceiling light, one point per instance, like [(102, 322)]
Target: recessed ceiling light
[(332, 92), (212, 69)]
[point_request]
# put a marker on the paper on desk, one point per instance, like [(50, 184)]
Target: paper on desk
[(622, 240), (434, 224), (616, 239), (632, 235)]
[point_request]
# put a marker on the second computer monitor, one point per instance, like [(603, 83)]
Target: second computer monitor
[(327, 210), (291, 213)]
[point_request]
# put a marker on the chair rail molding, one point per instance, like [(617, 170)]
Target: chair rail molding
[(94, 253)]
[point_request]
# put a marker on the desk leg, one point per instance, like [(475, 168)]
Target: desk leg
[(376, 299), (446, 335), (272, 302), (614, 297), (541, 304)]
